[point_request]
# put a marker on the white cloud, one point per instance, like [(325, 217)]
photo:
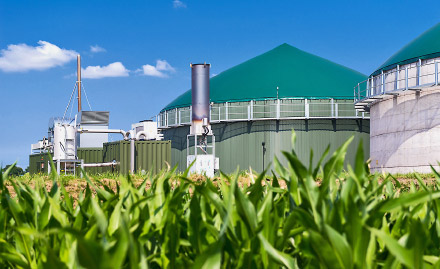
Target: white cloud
[(150, 70), (116, 69), (21, 57), (162, 69), (178, 4), (96, 49)]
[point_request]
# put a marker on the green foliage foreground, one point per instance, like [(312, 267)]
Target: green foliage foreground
[(351, 220)]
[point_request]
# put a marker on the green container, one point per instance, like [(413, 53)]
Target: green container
[(38, 163), (149, 155), (91, 155)]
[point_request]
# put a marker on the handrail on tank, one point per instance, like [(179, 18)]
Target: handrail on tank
[(274, 109), (401, 79)]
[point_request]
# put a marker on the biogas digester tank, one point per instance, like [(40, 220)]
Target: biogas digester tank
[(403, 98), (254, 106)]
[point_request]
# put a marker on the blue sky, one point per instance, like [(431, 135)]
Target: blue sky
[(142, 50)]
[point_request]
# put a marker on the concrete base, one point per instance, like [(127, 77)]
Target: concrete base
[(405, 132)]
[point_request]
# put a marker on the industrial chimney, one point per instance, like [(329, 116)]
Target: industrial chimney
[(200, 99), (78, 81), (200, 156)]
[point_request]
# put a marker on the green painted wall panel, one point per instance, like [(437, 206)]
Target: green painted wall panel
[(152, 155), (91, 155), (38, 163), (239, 144), (149, 155)]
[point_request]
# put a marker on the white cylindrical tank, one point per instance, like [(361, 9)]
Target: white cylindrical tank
[(405, 132), (64, 145)]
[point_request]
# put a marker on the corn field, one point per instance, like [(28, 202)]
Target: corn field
[(349, 220)]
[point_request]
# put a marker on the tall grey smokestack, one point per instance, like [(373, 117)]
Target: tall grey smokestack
[(200, 92)]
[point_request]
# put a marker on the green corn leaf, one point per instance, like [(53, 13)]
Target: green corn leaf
[(102, 193), (45, 215), (114, 218), (119, 252), (334, 165), (57, 213), (402, 254), (324, 251), (99, 216), (211, 258), (318, 166), (340, 246), (4, 175), (229, 205), (14, 259), (278, 256), (90, 253), (406, 200), (431, 259), (246, 210)]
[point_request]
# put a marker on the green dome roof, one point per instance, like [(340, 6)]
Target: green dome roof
[(298, 74), (425, 46)]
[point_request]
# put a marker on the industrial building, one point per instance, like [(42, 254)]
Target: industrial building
[(255, 105), (403, 98), (82, 142)]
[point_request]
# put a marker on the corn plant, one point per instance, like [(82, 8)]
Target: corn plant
[(347, 219)]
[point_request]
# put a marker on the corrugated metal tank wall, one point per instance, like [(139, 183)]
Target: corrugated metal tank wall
[(239, 144), (149, 155), (91, 155)]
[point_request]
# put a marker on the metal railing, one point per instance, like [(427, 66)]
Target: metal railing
[(413, 76), (266, 110)]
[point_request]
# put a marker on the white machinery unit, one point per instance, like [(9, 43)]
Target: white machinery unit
[(203, 158), (204, 164), (93, 120), (64, 141), (146, 130), (41, 146)]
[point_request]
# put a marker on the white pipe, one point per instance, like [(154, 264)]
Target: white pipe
[(105, 131), (117, 131), (100, 164), (132, 151)]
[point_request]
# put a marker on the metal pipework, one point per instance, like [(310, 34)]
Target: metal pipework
[(100, 164), (105, 131), (78, 72), (116, 131), (132, 151), (200, 91)]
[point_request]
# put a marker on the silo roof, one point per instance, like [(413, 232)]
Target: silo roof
[(296, 73), (425, 46)]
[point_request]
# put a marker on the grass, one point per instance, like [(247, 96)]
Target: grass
[(342, 219)]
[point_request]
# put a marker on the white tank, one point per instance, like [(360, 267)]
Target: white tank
[(64, 143), (405, 132)]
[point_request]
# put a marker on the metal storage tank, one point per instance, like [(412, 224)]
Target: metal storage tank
[(256, 104), (403, 98)]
